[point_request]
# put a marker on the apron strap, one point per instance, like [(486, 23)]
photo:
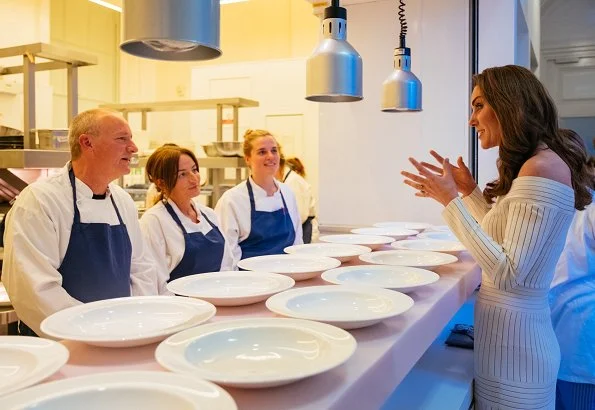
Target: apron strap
[(286, 175), (175, 217), (252, 203)]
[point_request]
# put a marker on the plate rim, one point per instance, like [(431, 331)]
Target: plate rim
[(386, 239), (385, 224), (460, 247), (303, 257), (127, 377), (361, 249), (62, 314), (330, 274), (366, 257), (349, 345), (405, 232), (297, 291), (202, 276), (57, 356)]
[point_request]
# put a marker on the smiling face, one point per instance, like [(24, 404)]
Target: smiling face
[(112, 147), (188, 181), (264, 157), (483, 118)]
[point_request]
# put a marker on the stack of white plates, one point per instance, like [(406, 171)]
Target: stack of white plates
[(418, 259), (401, 278), (347, 307), (298, 267), (231, 288), (433, 245), (394, 232), (123, 391), (256, 352), (412, 226), (373, 242), (342, 252), (25, 361), (129, 321)]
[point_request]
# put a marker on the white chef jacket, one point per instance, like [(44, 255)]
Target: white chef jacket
[(306, 201), (37, 235), (572, 300), (233, 210), (166, 240)]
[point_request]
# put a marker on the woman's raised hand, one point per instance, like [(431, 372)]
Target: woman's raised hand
[(461, 174), (431, 184)]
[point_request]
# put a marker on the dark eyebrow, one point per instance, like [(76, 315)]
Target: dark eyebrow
[(473, 102)]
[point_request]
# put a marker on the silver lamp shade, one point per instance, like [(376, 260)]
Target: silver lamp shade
[(334, 71), (173, 30), (401, 91)]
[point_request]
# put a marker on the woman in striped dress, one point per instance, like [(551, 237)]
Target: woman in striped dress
[(515, 230)]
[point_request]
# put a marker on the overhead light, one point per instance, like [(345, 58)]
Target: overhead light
[(181, 30), (117, 4), (334, 71), (401, 91)]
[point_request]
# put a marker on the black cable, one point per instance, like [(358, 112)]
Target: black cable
[(473, 69), (403, 23)]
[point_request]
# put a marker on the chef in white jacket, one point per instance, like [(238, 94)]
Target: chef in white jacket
[(292, 173), (182, 233), (572, 300), (74, 237), (260, 216)]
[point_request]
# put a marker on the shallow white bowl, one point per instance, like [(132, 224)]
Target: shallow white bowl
[(438, 235), (256, 352), (439, 228), (342, 252), (4, 300), (396, 233), (27, 360), (129, 321), (123, 391), (371, 241), (433, 245), (418, 259), (231, 288), (347, 307), (299, 267), (401, 278), (412, 226)]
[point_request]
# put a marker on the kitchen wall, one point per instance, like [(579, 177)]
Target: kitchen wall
[(362, 150)]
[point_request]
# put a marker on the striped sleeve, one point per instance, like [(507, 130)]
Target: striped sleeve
[(476, 204), (528, 228)]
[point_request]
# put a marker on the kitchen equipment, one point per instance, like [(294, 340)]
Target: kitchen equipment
[(229, 148), (210, 150), (53, 139), (344, 306), (127, 321), (298, 267), (256, 352), (7, 131)]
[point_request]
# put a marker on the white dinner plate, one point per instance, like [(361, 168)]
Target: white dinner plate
[(256, 352), (401, 278), (347, 307), (4, 301), (28, 360), (433, 245), (299, 267), (418, 259), (342, 252), (123, 391), (439, 228), (128, 321), (371, 241), (438, 235), (396, 233), (412, 226), (231, 288)]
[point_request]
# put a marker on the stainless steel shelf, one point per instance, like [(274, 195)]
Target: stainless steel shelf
[(33, 158)]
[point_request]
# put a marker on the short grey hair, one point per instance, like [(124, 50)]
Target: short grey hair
[(87, 122)]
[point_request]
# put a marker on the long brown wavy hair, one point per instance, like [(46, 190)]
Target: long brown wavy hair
[(528, 117)]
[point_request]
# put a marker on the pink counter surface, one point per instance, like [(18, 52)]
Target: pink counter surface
[(386, 352)]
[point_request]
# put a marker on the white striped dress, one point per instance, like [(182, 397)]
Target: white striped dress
[(517, 245)]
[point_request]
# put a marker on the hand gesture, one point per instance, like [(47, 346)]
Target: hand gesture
[(439, 186), (461, 174)]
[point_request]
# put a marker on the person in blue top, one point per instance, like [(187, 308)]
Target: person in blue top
[(260, 215), (182, 233)]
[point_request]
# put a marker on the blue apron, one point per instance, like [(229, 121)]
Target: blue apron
[(96, 265), (270, 232), (202, 253)]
